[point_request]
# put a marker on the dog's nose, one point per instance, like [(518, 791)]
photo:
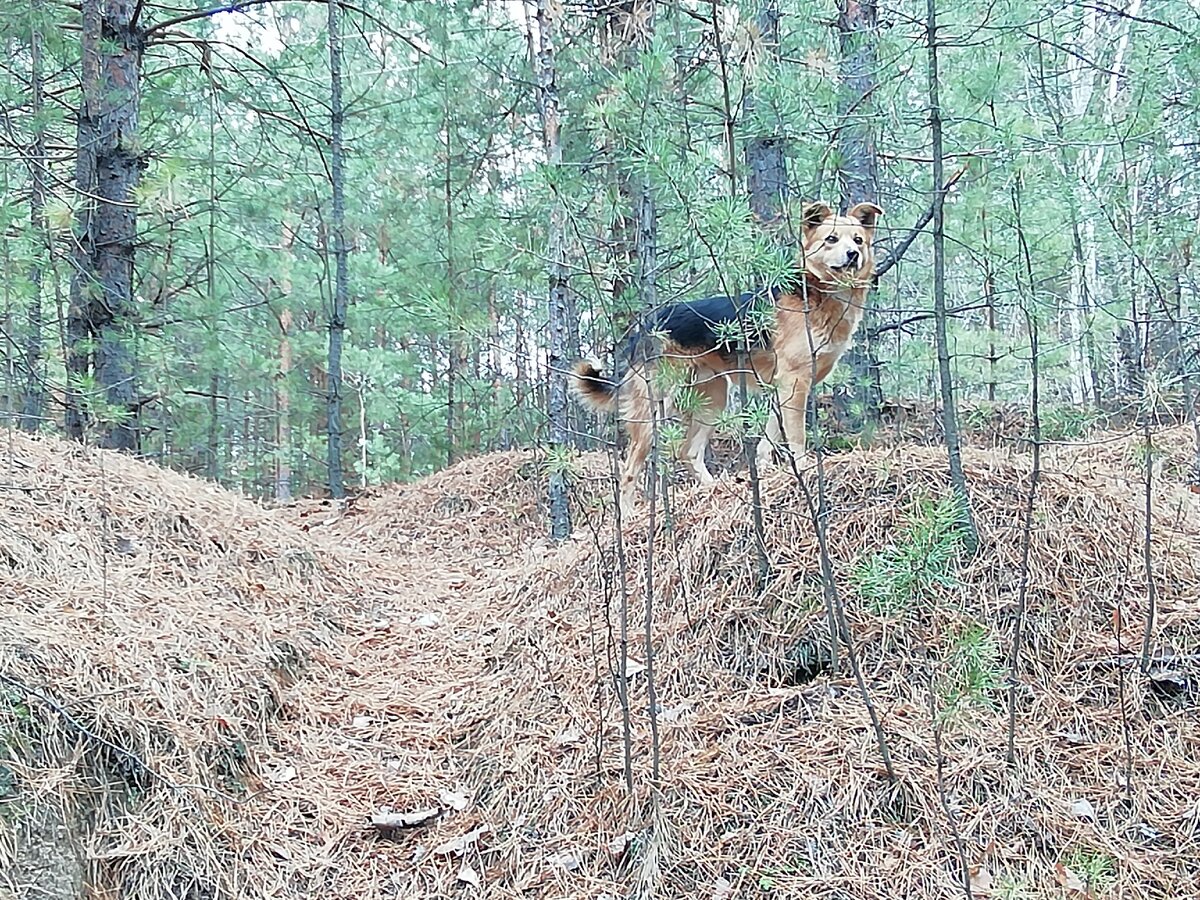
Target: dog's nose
[(851, 257)]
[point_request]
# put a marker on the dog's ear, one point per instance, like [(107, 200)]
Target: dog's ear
[(866, 213), (813, 214)]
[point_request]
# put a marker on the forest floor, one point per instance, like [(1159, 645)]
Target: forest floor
[(415, 694)]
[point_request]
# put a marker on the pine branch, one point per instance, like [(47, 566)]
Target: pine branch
[(925, 218)]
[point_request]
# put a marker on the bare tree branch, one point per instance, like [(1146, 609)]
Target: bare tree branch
[(926, 217)]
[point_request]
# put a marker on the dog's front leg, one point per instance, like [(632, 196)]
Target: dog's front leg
[(793, 403), (771, 440)]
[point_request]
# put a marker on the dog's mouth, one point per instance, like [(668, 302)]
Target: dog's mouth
[(845, 267)]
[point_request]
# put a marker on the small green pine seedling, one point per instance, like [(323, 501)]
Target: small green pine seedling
[(922, 557)]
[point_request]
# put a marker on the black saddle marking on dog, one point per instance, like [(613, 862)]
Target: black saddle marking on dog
[(727, 324)]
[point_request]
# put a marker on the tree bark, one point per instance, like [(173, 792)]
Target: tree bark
[(989, 299), (456, 347), (765, 162), (341, 289), (621, 25), (858, 179), (108, 171), (560, 512), (33, 408), (283, 407), (118, 173), (283, 377), (210, 278), (945, 373), (858, 169)]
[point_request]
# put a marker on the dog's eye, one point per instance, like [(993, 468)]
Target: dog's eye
[(858, 239), (832, 239)]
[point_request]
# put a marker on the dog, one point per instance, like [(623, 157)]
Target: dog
[(808, 324)]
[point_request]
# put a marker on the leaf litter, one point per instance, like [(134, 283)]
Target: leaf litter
[(211, 639)]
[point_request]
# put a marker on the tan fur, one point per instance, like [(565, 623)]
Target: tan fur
[(813, 328)]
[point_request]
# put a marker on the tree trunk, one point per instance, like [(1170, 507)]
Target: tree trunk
[(283, 377), (495, 368), (727, 106), (620, 27), (283, 410), (858, 179), (765, 163), (108, 170), (1081, 77), (858, 170), (33, 408), (560, 513), (213, 450), (118, 173), (521, 359), (341, 289), (629, 28), (210, 278), (945, 373), (680, 85), (989, 299), (456, 350)]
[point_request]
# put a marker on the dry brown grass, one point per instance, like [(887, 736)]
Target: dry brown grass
[(427, 647)]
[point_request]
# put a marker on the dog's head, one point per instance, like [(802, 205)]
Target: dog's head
[(838, 248)]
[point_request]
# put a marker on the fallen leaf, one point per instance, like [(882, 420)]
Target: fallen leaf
[(568, 736), (1069, 880), (459, 844), (981, 882), (722, 889), (280, 774), (457, 802), (620, 843), (673, 713), (564, 860), (467, 876), (1083, 809), (388, 819), (427, 620)]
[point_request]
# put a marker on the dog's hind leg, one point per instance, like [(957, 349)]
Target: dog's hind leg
[(714, 393), (639, 425)]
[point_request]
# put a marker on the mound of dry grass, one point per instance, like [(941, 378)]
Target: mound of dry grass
[(770, 782), (218, 698), (770, 779), (152, 630)]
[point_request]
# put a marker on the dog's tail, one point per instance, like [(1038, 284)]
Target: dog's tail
[(592, 387)]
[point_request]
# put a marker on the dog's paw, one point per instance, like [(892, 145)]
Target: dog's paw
[(767, 457)]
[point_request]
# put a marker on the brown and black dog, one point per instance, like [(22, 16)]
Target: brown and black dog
[(808, 325)]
